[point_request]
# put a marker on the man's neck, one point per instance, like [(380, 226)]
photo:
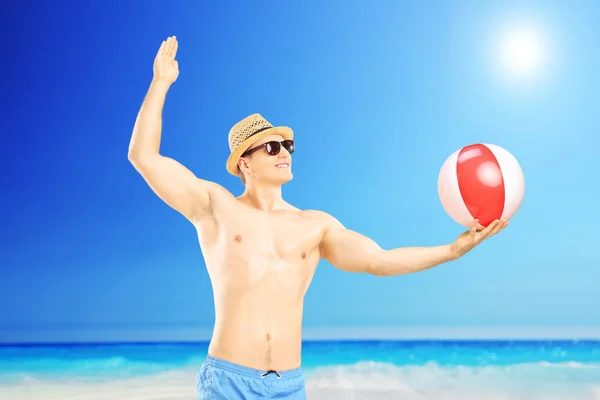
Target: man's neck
[(263, 197)]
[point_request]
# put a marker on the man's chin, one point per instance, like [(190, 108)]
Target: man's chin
[(284, 178)]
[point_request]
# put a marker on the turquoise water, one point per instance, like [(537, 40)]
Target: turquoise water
[(372, 369)]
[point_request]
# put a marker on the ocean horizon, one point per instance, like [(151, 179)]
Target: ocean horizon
[(414, 369), (73, 333)]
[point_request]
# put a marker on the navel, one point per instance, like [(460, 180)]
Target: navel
[(268, 336), (238, 238), (303, 255)]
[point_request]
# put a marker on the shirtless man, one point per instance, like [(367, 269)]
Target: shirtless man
[(260, 251)]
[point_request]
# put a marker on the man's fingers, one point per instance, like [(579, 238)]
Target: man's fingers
[(487, 231), (494, 228), (501, 225), (161, 49), (171, 47), (474, 228), (175, 46), (168, 47)]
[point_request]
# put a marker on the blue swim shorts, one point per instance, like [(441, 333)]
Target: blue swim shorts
[(222, 380)]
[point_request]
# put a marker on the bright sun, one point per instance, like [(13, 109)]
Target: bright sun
[(521, 51)]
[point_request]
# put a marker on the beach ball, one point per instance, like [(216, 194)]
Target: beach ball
[(481, 181)]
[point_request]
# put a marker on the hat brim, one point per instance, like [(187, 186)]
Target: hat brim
[(234, 157)]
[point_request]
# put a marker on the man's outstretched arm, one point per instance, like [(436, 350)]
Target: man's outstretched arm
[(171, 181), (351, 251)]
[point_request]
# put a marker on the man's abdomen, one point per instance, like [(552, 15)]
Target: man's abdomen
[(259, 332)]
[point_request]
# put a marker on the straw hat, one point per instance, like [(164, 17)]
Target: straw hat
[(247, 132)]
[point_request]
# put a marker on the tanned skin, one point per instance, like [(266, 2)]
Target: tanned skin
[(260, 251)]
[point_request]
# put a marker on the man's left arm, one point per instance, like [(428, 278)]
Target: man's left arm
[(351, 251)]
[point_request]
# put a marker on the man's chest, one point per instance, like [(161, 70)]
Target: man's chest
[(284, 235)]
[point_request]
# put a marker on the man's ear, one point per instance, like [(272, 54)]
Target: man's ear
[(243, 164)]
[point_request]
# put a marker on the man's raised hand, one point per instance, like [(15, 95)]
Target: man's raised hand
[(166, 67)]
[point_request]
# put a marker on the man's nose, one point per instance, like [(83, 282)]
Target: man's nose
[(283, 153)]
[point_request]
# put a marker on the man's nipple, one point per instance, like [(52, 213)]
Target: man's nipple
[(238, 238)]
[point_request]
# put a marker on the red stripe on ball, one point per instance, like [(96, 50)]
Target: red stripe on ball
[(481, 183)]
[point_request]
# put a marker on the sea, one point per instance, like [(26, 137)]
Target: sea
[(334, 370)]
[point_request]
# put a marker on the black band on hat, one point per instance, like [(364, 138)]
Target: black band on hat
[(260, 130)]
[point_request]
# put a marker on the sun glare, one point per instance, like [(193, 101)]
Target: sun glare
[(521, 51)]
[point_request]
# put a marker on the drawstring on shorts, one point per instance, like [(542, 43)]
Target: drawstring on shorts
[(270, 371)]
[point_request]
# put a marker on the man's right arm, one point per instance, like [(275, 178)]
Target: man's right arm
[(172, 182)]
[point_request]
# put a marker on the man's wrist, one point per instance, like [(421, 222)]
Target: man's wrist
[(449, 250), (161, 83)]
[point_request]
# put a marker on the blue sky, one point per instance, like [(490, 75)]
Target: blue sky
[(378, 95)]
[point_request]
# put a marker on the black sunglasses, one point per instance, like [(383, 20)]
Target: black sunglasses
[(273, 148)]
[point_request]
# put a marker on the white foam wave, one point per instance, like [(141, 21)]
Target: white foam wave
[(568, 364), (365, 380), (371, 380), (171, 385)]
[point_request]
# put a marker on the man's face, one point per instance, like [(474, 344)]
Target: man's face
[(260, 166)]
